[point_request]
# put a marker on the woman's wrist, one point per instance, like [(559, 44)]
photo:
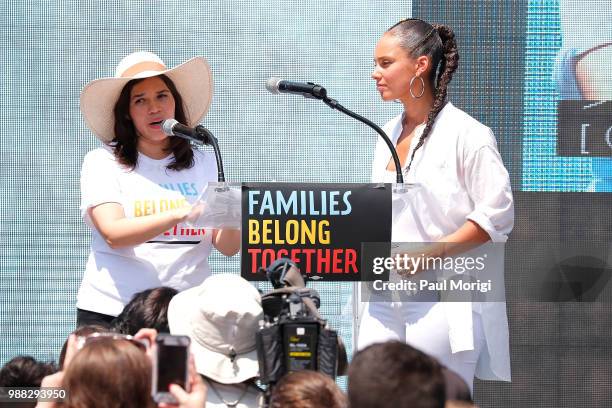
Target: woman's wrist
[(180, 214), (437, 249)]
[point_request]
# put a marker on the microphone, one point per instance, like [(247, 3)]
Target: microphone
[(314, 91), (200, 134), (307, 90)]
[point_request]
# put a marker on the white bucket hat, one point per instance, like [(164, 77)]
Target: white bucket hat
[(221, 316), (193, 80)]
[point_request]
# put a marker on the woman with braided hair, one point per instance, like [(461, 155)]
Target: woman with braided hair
[(469, 200)]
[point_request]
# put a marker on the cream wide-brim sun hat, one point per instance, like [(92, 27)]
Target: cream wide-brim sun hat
[(193, 80)]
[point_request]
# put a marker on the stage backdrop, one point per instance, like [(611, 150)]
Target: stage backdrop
[(518, 60), (52, 49)]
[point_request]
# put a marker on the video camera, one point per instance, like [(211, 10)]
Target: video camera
[(293, 336)]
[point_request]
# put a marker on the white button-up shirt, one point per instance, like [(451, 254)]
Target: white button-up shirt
[(460, 167), (462, 178)]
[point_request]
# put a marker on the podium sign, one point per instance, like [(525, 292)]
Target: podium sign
[(321, 227)]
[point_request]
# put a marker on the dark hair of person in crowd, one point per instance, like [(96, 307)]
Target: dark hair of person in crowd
[(25, 371), (81, 331), (147, 309), (108, 373), (455, 386), (437, 41), (126, 139), (394, 374), (307, 389)]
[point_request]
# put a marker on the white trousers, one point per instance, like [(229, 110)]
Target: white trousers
[(424, 326)]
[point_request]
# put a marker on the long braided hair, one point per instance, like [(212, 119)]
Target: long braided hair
[(437, 41)]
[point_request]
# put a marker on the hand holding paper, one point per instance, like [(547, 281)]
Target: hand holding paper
[(218, 206)]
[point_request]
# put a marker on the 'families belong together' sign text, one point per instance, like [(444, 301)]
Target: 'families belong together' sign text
[(318, 226)]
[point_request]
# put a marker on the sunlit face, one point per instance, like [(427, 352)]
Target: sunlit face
[(393, 69), (150, 103)]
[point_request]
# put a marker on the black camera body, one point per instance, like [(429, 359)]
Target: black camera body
[(294, 337)]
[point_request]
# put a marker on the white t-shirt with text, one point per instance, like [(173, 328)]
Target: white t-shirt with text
[(176, 258)]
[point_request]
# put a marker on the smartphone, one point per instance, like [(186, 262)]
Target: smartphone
[(170, 366)]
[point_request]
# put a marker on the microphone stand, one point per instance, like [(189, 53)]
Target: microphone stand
[(332, 103), (205, 136)]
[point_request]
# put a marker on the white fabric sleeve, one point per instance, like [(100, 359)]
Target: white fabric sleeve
[(99, 180), (488, 185)]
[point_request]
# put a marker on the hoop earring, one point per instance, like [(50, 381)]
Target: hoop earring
[(422, 87)]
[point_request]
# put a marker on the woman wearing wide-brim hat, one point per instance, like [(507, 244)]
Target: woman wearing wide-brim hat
[(137, 189)]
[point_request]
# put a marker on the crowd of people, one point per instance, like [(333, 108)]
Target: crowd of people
[(114, 370)]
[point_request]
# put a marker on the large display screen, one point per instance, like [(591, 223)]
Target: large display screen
[(536, 71)]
